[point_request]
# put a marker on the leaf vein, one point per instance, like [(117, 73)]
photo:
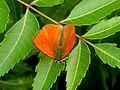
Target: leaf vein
[(89, 12), (106, 53), (25, 18)]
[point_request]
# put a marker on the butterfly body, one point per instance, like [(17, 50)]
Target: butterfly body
[(59, 50), (55, 41)]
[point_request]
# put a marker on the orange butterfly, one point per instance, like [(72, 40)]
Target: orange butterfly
[(55, 41)]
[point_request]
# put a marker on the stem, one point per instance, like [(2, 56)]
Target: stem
[(62, 21), (88, 42), (77, 36), (29, 6)]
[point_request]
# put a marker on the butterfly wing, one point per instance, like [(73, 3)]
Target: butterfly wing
[(69, 39), (46, 39)]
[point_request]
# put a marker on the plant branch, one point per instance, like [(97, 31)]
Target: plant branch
[(29, 6)]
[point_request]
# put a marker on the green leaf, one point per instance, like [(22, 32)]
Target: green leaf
[(55, 12), (17, 83), (104, 29), (15, 10), (108, 53), (77, 65), (18, 42), (47, 3), (91, 11), (47, 72), (4, 14)]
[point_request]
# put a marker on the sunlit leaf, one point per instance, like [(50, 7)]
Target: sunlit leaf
[(4, 13), (47, 3), (77, 65), (91, 11), (108, 53), (47, 72), (18, 42), (104, 29)]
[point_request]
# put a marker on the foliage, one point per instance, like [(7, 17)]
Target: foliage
[(4, 13), (77, 65), (45, 76), (47, 3), (95, 56)]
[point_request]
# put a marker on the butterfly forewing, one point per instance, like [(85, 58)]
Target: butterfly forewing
[(46, 39), (55, 41), (69, 38)]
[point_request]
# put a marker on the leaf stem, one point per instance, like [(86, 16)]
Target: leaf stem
[(29, 6), (62, 21), (77, 36), (88, 42)]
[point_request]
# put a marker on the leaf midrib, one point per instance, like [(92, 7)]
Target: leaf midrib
[(88, 12), (46, 74), (102, 30), (25, 18), (79, 51), (106, 53)]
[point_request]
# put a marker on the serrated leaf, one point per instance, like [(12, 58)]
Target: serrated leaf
[(104, 29), (91, 11), (47, 72), (77, 65), (4, 13), (18, 42), (47, 3), (108, 53)]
